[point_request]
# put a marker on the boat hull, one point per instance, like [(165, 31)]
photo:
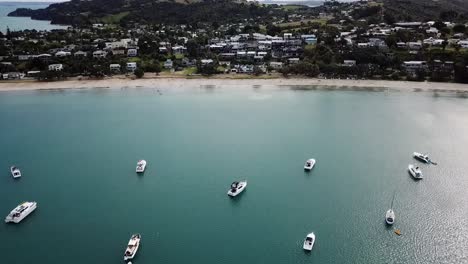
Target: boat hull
[(137, 246), (16, 220), (311, 166), (390, 217), (142, 168), (15, 172), (421, 157), (239, 191), (308, 245), (412, 172)]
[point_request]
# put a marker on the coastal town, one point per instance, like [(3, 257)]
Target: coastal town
[(357, 40)]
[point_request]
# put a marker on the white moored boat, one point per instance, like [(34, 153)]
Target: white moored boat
[(309, 242), (132, 247), (15, 172), (20, 212), (390, 217), (141, 166), (237, 188), (310, 163), (415, 171), (422, 157)]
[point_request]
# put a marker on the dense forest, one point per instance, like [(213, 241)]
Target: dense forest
[(426, 10), (78, 12)]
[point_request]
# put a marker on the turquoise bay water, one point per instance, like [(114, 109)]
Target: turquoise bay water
[(78, 150), (21, 23)]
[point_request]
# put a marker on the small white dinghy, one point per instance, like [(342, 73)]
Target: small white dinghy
[(15, 172), (309, 242), (237, 188), (141, 166), (415, 171), (309, 164), (390, 217)]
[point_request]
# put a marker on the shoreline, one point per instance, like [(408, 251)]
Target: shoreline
[(200, 82)]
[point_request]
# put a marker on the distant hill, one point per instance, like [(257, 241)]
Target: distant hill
[(149, 11), (426, 10)]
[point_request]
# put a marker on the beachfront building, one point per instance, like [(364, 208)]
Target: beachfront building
[(168, 64), (414, 66), (131, 66), (115, 68), (56, 67)]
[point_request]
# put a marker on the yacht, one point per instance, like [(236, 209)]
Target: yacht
[(422, 157), (390, 217), (141, 166), (20, 212), (132, 247), (237, 188), (15, 172), (309, 242), (415, 171), (310, 163)]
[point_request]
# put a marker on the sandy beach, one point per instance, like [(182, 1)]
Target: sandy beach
[(275, 83)]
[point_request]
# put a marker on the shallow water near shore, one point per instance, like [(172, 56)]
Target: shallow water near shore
[(78, 149)]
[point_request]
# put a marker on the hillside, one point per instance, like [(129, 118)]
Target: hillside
[(426, 10), (149, 11)]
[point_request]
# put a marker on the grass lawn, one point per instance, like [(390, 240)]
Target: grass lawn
[(291, 7), (321, 21), (190, 70), (114, 19)]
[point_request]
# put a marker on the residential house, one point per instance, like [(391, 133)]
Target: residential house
[(114, 68), (179, 50), (81, 54), (56, 67), (132, 52), (62, 54), (25, 57), (131, 66), (168, 64), (414, 66), (349, 63), (99, 54)]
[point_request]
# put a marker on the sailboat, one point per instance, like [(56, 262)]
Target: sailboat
[(390, 215)]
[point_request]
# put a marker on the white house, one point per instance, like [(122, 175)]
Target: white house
[(349, 63), (55, 67), (168, 64), (80, 54), (413, 66), (131, 66), (132, 52), (207, 62), (62, 54), (114, 67), (99, 54)]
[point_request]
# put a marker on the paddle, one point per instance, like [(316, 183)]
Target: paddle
[(432, 162)]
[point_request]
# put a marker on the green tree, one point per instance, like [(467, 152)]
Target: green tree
[(139, 73)]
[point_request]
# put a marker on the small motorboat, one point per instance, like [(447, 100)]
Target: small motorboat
[(237, 188), (309, 242), (141, 166), (415, 171), (132, 247), (309, 164), (15, 172), (390, 217), (422, 157)]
